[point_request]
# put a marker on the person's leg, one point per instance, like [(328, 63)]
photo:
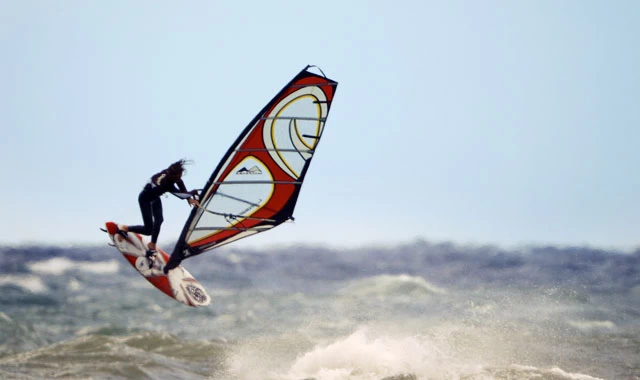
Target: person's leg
[(147, 216), (156, 209)]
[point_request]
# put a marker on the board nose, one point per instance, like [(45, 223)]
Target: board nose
[(112, 228)]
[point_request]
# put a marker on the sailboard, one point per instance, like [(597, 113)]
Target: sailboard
[(256, 185), (178, 284)]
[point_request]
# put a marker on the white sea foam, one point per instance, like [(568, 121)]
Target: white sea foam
[(30, 283), (60, 265), (592, 325), (393, 285), (366, 355), (570, 376), (361, 357), (74, 285)]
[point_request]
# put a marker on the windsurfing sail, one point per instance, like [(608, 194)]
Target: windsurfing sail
[(256, 184)]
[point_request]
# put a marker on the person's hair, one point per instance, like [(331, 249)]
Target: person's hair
[(177, 168)]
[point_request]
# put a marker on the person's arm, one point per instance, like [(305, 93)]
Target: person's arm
[(183, 189)]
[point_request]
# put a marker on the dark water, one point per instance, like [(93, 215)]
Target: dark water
[(416, 311)]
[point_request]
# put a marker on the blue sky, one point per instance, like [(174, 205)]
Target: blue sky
[(483, 122)]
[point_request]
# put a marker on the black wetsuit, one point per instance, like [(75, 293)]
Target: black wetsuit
[(151, 205)]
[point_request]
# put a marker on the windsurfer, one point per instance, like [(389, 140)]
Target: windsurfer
[(168, 180)]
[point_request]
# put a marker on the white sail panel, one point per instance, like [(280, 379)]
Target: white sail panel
[(293, 128), (246, 189)]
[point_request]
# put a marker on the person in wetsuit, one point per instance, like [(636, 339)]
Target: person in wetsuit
[(168, 180)]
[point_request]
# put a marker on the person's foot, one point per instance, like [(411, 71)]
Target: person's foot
[(151, 256)]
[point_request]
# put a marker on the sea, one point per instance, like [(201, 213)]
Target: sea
[(413, 311)]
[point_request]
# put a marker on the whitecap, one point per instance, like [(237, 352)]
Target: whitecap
[(393, 285), (530, 372), (60, 265), (570, 376), (74, 285), (30, 283), (592, 325), (360, 356)]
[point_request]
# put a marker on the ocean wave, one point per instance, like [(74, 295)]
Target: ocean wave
[(365, 356), (60, 265), (396, 286), (412, 313), (360, 357), (592, 325), (30, 283), (529, 372), (133, 355)]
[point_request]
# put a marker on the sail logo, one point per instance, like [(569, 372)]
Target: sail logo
[(255, 170)]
